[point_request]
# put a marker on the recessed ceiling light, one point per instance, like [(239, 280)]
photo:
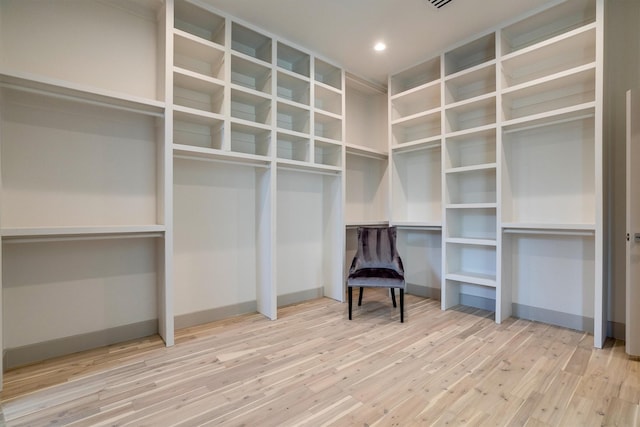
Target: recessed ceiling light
[(380, 46)]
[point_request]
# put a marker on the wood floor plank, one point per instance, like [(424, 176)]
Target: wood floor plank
[(314, 367)]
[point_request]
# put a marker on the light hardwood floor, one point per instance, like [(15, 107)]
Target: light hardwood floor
[(314, 367)]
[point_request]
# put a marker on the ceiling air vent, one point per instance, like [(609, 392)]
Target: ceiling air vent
[(439, 3)]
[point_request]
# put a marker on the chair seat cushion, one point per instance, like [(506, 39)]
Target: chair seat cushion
[(376, 277)]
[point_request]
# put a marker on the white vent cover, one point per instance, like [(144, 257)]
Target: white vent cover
[(439, 3)]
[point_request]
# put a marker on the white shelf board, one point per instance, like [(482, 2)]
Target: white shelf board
[(554, 81), (416, 89), (471, 206), (578, 229), (424, 225), (194, 115), (470, 241), (358, 150), (327, 140), (62, 89), (474, 278), (202, 153), (287, 164), (475, 68), (471, 131), (549, 42), (294, 104), (322, 115), (417, 116), (328, 87), (420, 144), (26, 234), (293, 74), (197, 47), (575, 112), (195, 81), (355, 224), (485, 166), (468, 103)]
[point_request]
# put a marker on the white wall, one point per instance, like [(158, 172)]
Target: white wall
[(622, 72)]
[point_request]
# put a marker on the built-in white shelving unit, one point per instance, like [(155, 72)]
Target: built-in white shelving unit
[(517, 117)]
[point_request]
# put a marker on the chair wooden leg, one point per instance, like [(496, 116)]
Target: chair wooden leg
[(401, 305), (350, 300), (393, 297), (360, 296)]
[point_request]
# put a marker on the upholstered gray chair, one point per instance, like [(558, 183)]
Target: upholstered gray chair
[(377, 265)]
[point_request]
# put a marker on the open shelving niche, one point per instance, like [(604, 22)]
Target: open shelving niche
[(83, 217)]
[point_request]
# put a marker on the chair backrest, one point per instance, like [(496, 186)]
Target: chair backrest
[(377, 249)]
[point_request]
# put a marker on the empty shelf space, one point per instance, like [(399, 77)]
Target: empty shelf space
[(471, 54), (293, 60), (415, 101), (471, 263), (86, 232), (199, 21), (471, 150), (554, 56), (547, 24), (251, 107), (249, 139), (195, 55), (416, 76), (550, 173), (293, 147), (417, 128), (474, 223), (328, 154), (470, 115), (474, 186), (328, 74), (293, 118), (196, 91), (327, 126), (293, 89), (417, 190), (468, 85), (328, 99), (567, 90), (463, 277), (250, 74), (250, 42), (197, 130)]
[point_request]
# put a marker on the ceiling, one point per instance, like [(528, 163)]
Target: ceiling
[(345, 31)]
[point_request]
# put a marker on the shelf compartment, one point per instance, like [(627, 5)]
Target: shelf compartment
[(561, 266), (250, 43), (554, 56), (328, 74), (251, 107), (565, 91), (471, 264), (293, 147), (198, 21), (294, 60), (471, 115), (63, 166), (422, 74), (471, 149), (474, 186), (197, 130), (328, 100), (250, 74), (417, 128), (194, 55), (195, 91), (422, 99), (474, 223), (293, 89), (478, 82), (471, 54), (366, 188), (249, 139), (547, 24), (549, 174), (326, 153), (416, 180), (327, 126), (293, 118)]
